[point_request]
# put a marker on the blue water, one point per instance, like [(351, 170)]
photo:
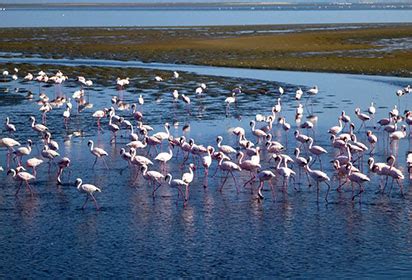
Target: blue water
[(136, 17), (217, 234)]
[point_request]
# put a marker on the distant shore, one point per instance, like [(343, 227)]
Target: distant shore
[(379, 49), (275, 5)]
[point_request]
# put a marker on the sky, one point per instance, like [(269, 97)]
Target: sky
[(188, 1)]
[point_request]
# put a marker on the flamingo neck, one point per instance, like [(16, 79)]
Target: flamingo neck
[(91, 146), (310, 143), (241, 155), (144, 170), (79, 184), (280, 161)]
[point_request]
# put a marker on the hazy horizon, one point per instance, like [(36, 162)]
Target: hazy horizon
[(198, 1)]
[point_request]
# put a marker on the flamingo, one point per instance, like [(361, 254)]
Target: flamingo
[(164, 157), (113, 127), (363, 117), (9, 143), (9, 127), (99, 114), (40, 128), (66, 116), (319, 176), (229, 167), (284, 172), (178, 184), (257, 132), (97, 152), (395, 173), (62, 164), (358, 178), (33, 163), (188, 178), (298, 94), (226, 149), (163, 135), (248, 165), (206, 162), (336, 129), (23, 151), (229, 100), (88, 189), (21, 176), (49, 154), (372, 139), (53, 145), (316, 150), (372, 109), (153, 177), (398, 135), (265, 176), (278, 107)]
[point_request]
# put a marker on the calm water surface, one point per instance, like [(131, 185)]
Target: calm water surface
[(132, 17), (217, 234)]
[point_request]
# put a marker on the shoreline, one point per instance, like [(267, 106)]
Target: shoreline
[(384, 49)]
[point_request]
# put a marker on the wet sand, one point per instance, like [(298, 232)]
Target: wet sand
[(357, 48)]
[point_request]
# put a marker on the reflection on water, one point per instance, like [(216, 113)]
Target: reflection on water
[(217, 234)]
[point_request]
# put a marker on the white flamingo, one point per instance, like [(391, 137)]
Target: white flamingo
[(152, 176), (22, 176), (318, 176), (97, 152), (89, 190)]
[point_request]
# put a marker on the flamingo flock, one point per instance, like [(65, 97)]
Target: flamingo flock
[(259, 152)]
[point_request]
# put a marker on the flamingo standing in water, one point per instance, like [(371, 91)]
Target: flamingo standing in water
[(88, 189), (40, 128), (23, 151), (319, 176), (178, 184), (21, 176), (363, 117), (229, 167), (153, 177), (206, 162), (97, 152), (265, 176), (188, 179), (62, 164), (248, 165), (9, 127), (33, 163), (164, 157)]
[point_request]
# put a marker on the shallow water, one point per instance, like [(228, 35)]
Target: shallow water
[(217, 234), (158, 17)]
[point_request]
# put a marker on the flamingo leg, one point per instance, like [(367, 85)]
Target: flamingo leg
[(234, 178), (94, 162), (95, 201), (107, 167), (84, 204), (327, 193), (18, 188), (205, 178), (272, 188), (155, 189), (224, 181), (28, 186)]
